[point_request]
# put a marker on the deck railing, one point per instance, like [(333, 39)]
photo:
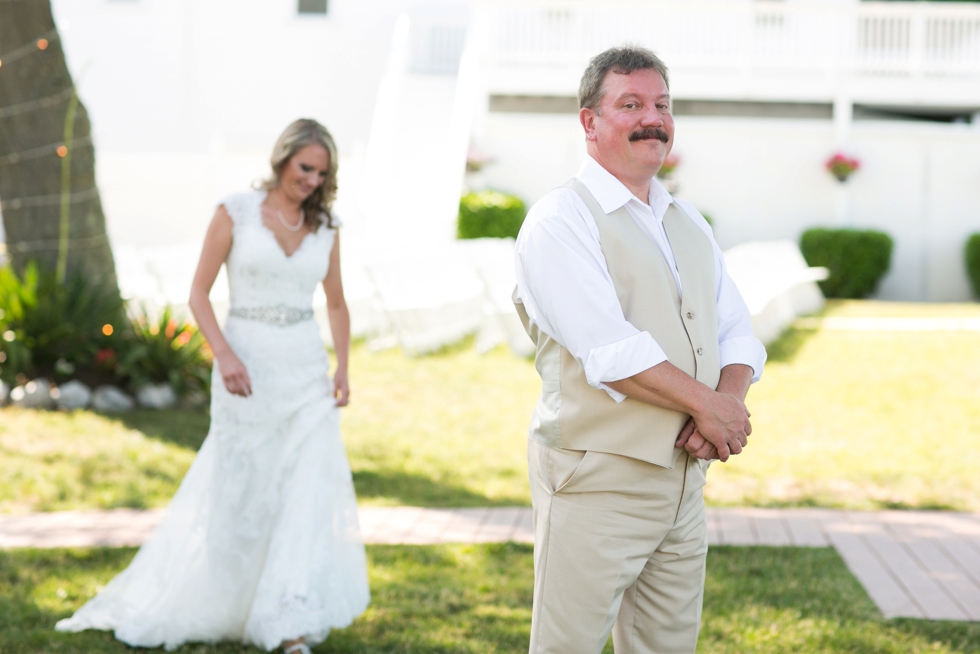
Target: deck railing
[(869, 38)]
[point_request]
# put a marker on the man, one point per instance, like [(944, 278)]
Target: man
[(645, 351)]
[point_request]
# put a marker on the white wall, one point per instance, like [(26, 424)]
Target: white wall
[(764, 179), (186, 98)]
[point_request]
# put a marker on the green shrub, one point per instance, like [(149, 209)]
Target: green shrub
[(972, 256), (490, 213), (856, 259), (166, 349), (51, 329)]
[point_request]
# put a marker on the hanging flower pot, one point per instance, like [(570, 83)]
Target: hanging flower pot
[(666, 173), (841, 166)]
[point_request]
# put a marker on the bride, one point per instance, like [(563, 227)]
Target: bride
[(261, 543)]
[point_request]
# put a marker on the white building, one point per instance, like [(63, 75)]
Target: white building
[(186, 98)]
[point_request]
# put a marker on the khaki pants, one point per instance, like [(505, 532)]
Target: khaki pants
[(619, 546)]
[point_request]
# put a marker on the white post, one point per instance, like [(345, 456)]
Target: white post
[(843, 117)]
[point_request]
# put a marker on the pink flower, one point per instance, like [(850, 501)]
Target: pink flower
[(841, 166), (669, 165)]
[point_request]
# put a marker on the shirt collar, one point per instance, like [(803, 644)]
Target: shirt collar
[(611, 194)]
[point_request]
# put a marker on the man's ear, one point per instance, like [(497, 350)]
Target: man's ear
[(587, 117)]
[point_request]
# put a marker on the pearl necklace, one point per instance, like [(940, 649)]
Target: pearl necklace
[(282, 219)]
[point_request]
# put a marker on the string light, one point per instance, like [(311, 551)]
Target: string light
[(63, 149), (31, 105), (44, 150), (29, 48), (48, 200), (107, 329), (78, 243)]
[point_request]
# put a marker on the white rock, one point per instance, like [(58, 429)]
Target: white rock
[(33, 395), (195, 399), (157, 396), (4, 393), (73, 395), (110, 399)]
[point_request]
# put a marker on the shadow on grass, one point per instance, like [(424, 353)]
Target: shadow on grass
[(397, 487), (432, 600), (184, 427), (929, 505), (477, 598), (39, 587), (806, 600), (824, 501), (188, 429), (785, 348)]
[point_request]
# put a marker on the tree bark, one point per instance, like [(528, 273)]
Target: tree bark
[(44, 204)]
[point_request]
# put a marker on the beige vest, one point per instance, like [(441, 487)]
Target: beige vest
[(573, 415)]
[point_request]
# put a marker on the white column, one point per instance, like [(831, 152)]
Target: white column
[(843, 116)]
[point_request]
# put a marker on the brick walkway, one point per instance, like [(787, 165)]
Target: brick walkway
[(912, 563)]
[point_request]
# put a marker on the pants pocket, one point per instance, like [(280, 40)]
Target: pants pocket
[(564, 467)]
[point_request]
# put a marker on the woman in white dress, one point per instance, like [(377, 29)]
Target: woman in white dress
[(260, 544)]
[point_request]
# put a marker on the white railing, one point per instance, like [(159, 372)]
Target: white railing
[(436, 48), (889, 39)]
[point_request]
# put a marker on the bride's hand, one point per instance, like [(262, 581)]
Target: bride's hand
[(234, 375), (341, 388)]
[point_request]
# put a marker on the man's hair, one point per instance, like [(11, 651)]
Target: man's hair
[(623, 61)]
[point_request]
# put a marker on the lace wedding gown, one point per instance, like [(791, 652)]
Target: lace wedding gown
[(261, 541)]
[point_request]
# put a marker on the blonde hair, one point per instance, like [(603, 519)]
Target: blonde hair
[(299, 134)]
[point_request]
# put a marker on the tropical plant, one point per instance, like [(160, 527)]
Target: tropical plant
[(166, 349), (53, 329), (490, 214), (857, 259)]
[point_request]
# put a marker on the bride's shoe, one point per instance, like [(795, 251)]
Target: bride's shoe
[(298, 648)]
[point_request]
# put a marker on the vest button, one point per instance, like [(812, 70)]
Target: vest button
[(700, 351), (690, 315)]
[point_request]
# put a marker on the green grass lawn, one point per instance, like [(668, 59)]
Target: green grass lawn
[(862, 419), (846, 419), (443, 430), (477, 599), (51, 461)]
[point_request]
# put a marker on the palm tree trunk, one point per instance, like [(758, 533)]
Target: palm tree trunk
[(50, 204)]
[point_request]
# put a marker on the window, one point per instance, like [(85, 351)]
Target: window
[(312, 6)]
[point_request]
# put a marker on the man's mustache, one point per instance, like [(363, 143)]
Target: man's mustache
[(648, 133)]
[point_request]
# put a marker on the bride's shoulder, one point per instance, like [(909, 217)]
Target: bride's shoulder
[(243, 208), (331, 220)]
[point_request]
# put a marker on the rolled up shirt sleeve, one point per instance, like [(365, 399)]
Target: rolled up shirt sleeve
[(567, 292), (621, 360)]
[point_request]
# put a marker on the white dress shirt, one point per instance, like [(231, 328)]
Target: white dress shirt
[(567, 291)]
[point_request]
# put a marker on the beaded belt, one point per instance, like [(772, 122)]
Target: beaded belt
[(280, 315)]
